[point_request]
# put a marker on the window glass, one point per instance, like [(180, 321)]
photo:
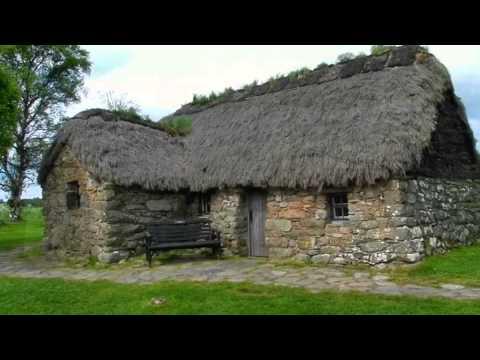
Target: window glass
[(339, 206)]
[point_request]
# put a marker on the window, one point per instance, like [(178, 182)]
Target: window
[(73, 195), (204, 204), (339, 206)]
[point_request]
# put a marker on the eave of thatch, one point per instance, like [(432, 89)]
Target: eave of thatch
[(354, 127)]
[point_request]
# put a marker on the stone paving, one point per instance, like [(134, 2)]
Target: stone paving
[(258, 271)]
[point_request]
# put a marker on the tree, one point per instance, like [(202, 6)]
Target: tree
[(9, 97), (49, 78)]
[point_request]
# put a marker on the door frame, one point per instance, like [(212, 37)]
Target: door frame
[(263, 194)]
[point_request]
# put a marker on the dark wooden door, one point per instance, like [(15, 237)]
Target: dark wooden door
[(256, 223)]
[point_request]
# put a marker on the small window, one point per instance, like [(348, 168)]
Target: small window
[(204, 204), (73, 195), (339, 206)]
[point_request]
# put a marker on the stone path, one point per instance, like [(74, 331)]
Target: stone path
[(314, 279)]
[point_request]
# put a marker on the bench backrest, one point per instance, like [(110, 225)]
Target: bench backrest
[(180, 232)]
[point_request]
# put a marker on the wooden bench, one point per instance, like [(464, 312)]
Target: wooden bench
[(181, 235)]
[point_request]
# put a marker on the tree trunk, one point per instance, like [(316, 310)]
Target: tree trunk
[(15, 198)]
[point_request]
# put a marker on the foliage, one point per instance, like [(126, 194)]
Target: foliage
[(4, 214), (26, 232), (345, 57), (57, 296), (460, 266), (177, 126), (9, 98), (49, 78), (378, 50), (249, 87), (200, 100), (321, 65), (299, 74), (124, 109), (34, 202)]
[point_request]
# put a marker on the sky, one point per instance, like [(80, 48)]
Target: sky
[(159, 79)]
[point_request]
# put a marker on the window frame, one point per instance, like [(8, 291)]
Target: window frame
[(72, 195), (339, 205), (204, 206)]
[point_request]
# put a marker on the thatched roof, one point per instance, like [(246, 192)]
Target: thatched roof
[(122, 152), (353, 123)]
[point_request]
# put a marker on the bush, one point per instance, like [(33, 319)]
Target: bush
[(322, 65), (250, 86), (378, 50), (200, 100), (345, 57), (298, 74), (177, 126)]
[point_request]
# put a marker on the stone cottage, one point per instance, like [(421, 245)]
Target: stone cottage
[(367, 161)]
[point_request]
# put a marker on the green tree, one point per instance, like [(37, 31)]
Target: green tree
[(49, 78), (9, 97)]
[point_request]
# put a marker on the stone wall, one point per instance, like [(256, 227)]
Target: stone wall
[(229, 216), (447, 211), (129, 211), (73, 232), (299, 224), (110, 223), (397, 221)]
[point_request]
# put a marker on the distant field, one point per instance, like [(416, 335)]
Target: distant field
[(27, 232)]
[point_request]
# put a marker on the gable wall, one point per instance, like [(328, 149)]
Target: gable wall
[(77, 232)]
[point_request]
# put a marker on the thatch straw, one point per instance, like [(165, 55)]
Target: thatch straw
[(354, 130)]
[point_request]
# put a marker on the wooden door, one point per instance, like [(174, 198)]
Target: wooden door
[(256, 223)]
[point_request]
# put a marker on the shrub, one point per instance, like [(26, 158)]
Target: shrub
[(177, 126), (250, 86), (322, 65), (200, 100), (298, 74), (378, 50), (345, 57)]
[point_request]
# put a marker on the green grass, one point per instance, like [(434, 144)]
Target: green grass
[(458, 266), (55, 296), (27, 232)]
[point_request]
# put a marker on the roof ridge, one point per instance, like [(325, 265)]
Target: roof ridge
[(405, 55)]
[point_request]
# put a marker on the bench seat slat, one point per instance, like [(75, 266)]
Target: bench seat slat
[(182, 245), (195, 234)]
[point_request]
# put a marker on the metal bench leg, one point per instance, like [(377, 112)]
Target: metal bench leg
[(217, 251), (149, 257)]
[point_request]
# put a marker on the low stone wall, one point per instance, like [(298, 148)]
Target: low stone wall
[(447, 211)]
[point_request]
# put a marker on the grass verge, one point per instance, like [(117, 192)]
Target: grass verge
[(56, 296)]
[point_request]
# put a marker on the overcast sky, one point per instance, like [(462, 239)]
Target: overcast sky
[(159, 79)]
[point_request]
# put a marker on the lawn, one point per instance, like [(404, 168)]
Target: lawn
[(55, 296), (27, 232), (459, 266)]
